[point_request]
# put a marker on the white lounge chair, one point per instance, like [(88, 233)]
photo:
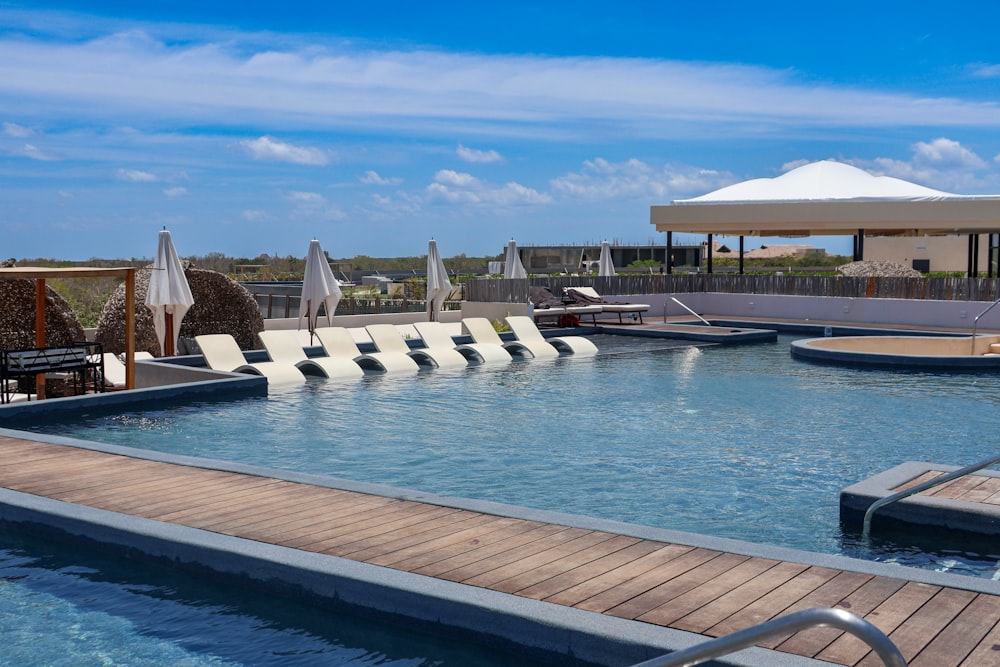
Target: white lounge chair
[(529, 335), (338, 342), (439, 348), (588, 295), (487, 347), (482, 331), (221, 353), (283, 346), (386, 338), (114, 371)]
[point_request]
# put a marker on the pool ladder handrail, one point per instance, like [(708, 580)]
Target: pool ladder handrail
[(975, 324), (675, 300), (782, 627), (923, 486)]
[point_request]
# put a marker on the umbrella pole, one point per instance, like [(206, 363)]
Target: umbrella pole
[(168, 339)]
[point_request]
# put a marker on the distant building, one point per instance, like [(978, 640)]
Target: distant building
[(940, 254), (573, 258)]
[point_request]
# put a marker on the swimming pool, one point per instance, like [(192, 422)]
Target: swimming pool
[(77, 607), (740, 442)]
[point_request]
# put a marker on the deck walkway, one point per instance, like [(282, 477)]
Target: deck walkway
[(699, 590)]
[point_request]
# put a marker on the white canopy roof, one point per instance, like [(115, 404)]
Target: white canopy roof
[(828, 198)]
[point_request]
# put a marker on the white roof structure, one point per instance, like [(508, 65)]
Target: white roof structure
[(827, 198)]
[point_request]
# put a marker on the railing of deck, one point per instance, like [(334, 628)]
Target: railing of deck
[(943, 289)]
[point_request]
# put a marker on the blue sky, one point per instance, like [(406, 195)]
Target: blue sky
[(253, 127)]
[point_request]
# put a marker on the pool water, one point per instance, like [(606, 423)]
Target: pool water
[(732, 441), (72, 607)]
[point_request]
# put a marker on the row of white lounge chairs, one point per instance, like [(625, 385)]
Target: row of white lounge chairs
[(288, 361)]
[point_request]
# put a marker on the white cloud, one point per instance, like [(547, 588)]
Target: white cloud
[(136, 176), (481, 157), (313, 205), (175, 192), (633, 179), (943, 164), (458, 188), (269, 148), (251, 215), (372, 178), (33, 152), (18, 131), (233, 78)]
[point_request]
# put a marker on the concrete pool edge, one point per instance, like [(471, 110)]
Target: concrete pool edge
[(920, 510), (539, 625)]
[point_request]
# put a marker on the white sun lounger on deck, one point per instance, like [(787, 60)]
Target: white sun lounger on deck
[(439, 349), (283, 346), (221, 353), (529, 335), (338, 342), (487, 346), (588, 295)]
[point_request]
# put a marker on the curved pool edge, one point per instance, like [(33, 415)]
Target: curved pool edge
[(810, 350)]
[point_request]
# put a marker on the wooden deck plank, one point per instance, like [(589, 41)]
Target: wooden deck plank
[(385, 545), (480, 569), (577, 596), (987, 653), (860, 602), (849, 650), (962, 635), (775, 602), (678, 586), (687, 603), (664, 592), (617, 597), (736, 599), (921, 627), (400, 522), (567, 563), (506, 578), (553, 585)]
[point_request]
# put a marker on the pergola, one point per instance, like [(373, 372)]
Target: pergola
[(40, 274), (829, 199)]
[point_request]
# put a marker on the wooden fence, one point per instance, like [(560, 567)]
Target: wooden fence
[(944, 289)]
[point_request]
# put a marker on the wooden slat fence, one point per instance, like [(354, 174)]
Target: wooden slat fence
[(943, 289)]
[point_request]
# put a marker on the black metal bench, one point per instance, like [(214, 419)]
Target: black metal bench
[(84, 362)]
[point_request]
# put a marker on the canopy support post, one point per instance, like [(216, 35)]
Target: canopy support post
[(708, 266), (40, 331), (968, 260), (741, 254), (670, 252), (130, 329)]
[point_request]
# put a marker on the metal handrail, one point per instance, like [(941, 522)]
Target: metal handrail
[(781, 627), (923, 486), (975, 324), (690, 311)]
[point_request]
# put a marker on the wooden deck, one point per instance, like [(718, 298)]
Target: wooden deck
[(971, 488), (688, 588)]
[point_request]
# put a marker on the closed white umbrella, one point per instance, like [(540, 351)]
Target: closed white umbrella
[(512, 267), (319, 287), (438, 285), (606, 267), (169, 296)]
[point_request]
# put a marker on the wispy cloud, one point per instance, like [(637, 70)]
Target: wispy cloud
[(175, 192), (478, 156), (217, 78), (33, 152), (269, 148), (634, 179), (459, 188), (373, 178), (136, 176), (17, 131), (313, 205)]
